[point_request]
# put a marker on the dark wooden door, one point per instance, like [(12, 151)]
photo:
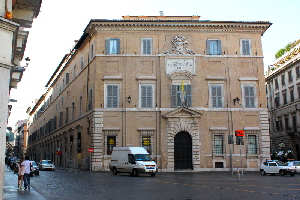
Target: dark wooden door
[(183, 151)]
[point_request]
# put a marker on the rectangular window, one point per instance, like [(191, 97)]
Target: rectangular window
[(246, 47), (252, 144), (74, 72), (282, 80), (61, 114), (218, 144), (67, 115), (284, 97), (294, 123), (90, 99), (290, 76), (286, 120), (181, 95), (111, 143), (276, 84), (298, 89), (112, 96), (92, 53), (146, 96), (147, 46), (298, 71), (216, 95), (82, 62), (67, 79), (80, 106), (112, 46), (146, 143), (277, 101), (278, 125), (249, 96), (73, 111), (292, 94), (214, 47)]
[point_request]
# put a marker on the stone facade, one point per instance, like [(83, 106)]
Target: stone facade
[(283, 86), (177, 86)]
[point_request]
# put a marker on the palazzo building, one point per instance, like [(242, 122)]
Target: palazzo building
[(16, 18), (283, 91), (176, 85)]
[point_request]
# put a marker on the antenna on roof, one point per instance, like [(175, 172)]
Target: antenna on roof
[(161, 13)]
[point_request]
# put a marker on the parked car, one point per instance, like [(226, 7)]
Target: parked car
[(46, 165), (35, 168), (277, 167)]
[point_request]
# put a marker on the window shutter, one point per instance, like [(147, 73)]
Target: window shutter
[(219, 96), (109, 96), (188, 90), (219, 47), (246, 47), (216, 94), (249, 96), (207, 47), (67, 78), (146, 46), (112, 96), (115, 96), (107, 46), (146, 96), (173, 95), (149, 95), (118, 46)]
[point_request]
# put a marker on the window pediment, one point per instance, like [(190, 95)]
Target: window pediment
[(182, 112)]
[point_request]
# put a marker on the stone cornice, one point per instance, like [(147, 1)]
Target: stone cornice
[(210, 26), (8, 25)]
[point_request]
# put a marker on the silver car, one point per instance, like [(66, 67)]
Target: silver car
[(46, 165), (277, 167)]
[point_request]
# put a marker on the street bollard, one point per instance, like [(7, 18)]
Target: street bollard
[(238, 174)]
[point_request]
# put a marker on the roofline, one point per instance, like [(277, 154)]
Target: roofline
[(195, 21)]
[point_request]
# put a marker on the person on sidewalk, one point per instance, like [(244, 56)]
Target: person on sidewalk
[(20, 173), (27, 164)]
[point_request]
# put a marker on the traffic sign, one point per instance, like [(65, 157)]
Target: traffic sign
[(91, 150)]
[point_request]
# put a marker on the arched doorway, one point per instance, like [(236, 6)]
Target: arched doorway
[(183, 151)]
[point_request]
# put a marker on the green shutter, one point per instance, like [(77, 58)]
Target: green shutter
[(173, 95), (188, 90)]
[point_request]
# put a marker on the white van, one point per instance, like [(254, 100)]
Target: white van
[(132, 160)]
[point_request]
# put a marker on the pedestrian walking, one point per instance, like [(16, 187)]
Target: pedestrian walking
[(21, 173), (27, 164)]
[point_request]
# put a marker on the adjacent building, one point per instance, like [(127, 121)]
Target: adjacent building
[(15, 16), (178, 86), (283, 92)]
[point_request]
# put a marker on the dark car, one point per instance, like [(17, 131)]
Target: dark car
[(35, 168)]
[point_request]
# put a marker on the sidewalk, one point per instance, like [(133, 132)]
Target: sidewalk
[(11, 191)]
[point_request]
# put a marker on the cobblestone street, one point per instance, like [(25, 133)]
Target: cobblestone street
[(75, 184)]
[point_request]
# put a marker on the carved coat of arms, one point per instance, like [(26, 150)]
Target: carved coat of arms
[(179, 45)]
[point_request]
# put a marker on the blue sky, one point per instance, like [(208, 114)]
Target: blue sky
[(60, 22)]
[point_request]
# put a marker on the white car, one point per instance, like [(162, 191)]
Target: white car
[(277, 167), (46, 165)]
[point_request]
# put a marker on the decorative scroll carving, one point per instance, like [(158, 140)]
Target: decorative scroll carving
[(179, 45)]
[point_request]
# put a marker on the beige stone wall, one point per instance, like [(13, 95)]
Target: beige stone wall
[(129, 69)]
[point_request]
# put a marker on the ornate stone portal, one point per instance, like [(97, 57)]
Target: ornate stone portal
[(183, 119)]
